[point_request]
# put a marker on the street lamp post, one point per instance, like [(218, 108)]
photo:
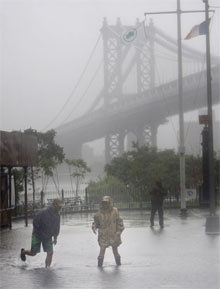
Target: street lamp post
[(183, 209), (212, 221)]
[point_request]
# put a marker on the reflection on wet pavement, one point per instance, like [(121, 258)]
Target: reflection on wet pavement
[(179, 256)]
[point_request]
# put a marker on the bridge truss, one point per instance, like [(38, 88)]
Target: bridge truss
[(139, 57)]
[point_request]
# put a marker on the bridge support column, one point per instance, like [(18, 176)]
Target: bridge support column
[(143, 134), (147, 134), (114, 146)]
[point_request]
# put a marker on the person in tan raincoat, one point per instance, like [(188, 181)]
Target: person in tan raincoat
[(110, 226)]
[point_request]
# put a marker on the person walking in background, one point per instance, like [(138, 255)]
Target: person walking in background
[(157, 195), (46, 225), (110, 226)]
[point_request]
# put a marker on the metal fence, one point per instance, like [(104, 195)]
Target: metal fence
[(72, 202), (82, 202)]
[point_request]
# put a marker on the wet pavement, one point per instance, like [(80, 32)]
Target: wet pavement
[(181, 256)]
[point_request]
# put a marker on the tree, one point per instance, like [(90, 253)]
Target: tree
[(49, 156), (143, 165), (194, 176), (139, 168), (78, 169), (110, 186)]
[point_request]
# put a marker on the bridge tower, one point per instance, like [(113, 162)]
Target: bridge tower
[(112, 82), (145, 60), (115, 51)]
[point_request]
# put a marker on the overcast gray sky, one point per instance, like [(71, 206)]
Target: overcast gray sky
[(45, 45)]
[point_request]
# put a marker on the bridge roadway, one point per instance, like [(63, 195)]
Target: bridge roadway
[(150, 107)]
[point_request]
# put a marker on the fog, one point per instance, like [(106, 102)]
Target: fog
[(46, 45)]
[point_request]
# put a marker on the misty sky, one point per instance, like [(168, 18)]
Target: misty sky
[(45, 45)]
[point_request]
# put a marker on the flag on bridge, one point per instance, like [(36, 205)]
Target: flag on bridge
[(132, 33), (197, 30)]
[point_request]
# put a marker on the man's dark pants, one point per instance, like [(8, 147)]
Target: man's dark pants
[(156, 206)]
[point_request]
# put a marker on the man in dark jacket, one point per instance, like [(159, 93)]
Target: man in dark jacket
[(46, 224), (157, 194)]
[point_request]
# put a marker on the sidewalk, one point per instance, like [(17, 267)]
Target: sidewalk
[(181, 256)]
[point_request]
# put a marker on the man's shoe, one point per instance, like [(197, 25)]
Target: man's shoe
[(22, 255), (100, 261)]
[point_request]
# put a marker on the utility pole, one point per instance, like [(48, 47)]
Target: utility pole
[(212, 221)]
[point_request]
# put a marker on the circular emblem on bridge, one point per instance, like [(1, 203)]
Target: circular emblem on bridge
[(129, 35)]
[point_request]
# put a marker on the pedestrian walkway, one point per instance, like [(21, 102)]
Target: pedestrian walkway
[(180, 256)]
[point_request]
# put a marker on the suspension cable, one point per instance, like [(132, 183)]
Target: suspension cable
[(76, 86), (83, 95)]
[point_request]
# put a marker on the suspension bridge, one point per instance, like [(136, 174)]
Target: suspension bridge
[(138, 89)]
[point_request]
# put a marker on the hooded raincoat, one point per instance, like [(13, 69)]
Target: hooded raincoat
[(109, 224)]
